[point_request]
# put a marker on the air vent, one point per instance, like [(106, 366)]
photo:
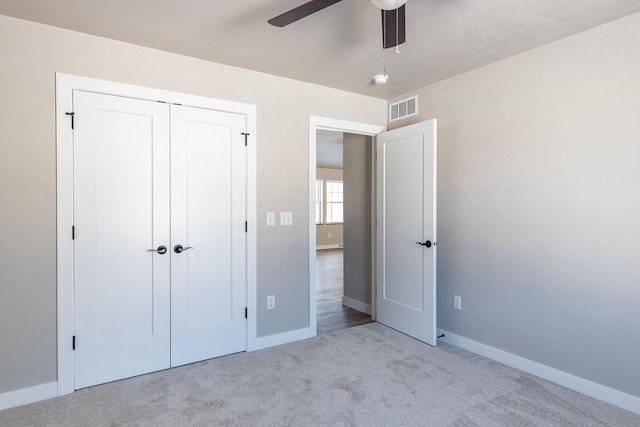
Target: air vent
[(405, 108)]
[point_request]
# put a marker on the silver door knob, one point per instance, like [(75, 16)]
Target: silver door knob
[(179, 249)]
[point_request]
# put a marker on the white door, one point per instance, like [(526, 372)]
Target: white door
[(208, 213), (121, 211), (406, 231)]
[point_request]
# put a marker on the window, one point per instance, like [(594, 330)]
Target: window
[(334, 202), (319, 192)]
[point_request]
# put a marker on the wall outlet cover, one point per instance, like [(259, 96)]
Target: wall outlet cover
[(457, 302), (271, 302)]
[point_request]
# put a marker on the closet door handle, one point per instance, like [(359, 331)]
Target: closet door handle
[(179, 249), (161, 250)]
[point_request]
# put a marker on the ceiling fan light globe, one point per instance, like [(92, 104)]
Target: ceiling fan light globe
[(388, 4)]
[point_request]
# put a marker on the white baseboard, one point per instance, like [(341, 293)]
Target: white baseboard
[(23, 396), (325, 247), (589, 388), (283, 338), (356, 305)]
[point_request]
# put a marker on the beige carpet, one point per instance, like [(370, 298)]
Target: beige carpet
[(368, 375)]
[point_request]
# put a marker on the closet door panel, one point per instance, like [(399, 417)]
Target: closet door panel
[(121, 210), (208, 193)]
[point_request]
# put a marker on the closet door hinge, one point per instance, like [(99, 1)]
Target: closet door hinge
[(245, 138), (72, 120), (246, 313), (246, 226), (73, 343), (73, 232)]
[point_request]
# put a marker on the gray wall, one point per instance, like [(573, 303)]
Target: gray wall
[(323, 230), (539, 201), (357, 217), (30, 55)]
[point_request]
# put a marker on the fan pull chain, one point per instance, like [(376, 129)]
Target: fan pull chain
[(384, 54), (397, 49)]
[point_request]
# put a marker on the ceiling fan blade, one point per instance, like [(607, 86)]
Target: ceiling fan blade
[(389, 31), (300, 12)]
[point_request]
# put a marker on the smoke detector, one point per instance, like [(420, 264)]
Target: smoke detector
[(380, 79)]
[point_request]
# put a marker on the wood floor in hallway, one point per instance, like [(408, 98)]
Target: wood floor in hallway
[(332, 315)]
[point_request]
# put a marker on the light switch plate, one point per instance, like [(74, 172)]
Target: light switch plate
[(286, 218), (271, 218)]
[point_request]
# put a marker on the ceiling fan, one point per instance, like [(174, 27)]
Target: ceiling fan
[(393, 18)]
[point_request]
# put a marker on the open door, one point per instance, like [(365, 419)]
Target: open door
[(406, 230)]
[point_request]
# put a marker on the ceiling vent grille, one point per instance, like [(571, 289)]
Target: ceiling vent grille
[(405, 108)]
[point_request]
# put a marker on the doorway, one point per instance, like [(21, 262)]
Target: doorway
[(343, 230), (332, 306), (405, 305)]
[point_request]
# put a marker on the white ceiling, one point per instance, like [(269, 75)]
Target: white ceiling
[(340, 46), (329, 149)]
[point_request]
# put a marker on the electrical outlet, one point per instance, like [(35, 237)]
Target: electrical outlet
[(271, 219), (329, 234), (271, 302), (457, 302)]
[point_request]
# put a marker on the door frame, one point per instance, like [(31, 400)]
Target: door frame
[(65, 85), (324, 123)]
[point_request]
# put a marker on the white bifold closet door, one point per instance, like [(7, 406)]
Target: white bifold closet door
[(160, 243), (121, 210), (208, 211)]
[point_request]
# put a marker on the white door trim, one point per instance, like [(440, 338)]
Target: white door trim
[(323, 123), (65, 85)]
